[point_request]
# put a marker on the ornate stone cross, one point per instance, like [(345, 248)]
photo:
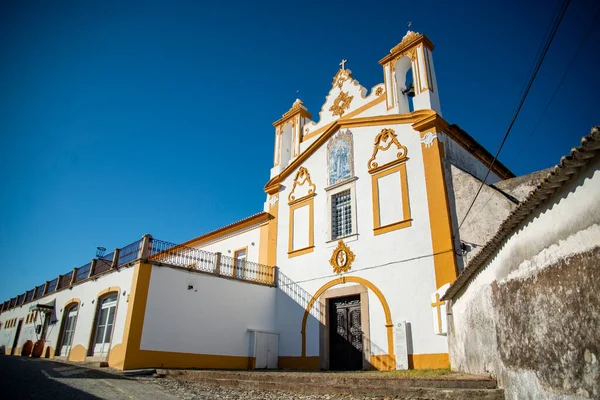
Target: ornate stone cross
[(343, 64)]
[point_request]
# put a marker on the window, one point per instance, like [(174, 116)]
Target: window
[(239, 262), (69, 321), (341, 214), (104, 324)]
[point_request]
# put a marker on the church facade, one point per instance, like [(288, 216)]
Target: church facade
[(343, 269)]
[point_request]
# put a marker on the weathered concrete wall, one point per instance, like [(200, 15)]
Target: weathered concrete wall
[(531, 315), (490, 209), (520, 186)]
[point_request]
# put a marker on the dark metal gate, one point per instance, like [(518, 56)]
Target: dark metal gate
[(345, 333)]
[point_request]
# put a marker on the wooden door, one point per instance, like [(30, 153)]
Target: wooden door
[(345, 334)]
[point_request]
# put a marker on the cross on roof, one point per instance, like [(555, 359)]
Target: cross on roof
[(343, 64)]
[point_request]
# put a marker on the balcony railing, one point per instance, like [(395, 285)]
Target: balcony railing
[(215, 263), (158, 251)]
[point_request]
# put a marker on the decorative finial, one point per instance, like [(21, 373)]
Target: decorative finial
[(343, 64)]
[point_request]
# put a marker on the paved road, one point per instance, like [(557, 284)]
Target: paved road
[(28, 378)]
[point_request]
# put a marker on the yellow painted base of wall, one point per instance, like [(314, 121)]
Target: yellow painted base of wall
[(304, 363), (429, 361), (77, 353), (383, 362), (164, 359), (116, 357)]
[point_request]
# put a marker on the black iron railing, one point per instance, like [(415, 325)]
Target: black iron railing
[(83, 272), (299, 295), (158, 251), (196, 259), (130, 252), (39, 291)]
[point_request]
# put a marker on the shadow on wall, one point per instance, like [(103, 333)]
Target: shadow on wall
[(347, 347)]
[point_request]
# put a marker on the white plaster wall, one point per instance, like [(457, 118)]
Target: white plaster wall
[(399, 263), (213, 318), (86, 292), (466, 161), (301, 231), (568, 223), (228, 245)]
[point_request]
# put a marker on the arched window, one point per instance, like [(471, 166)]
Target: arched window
[(404, 84), (340, 162), (105, 318), (68, 329)]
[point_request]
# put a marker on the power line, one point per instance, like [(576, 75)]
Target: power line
[(585, 37), (521, 102)]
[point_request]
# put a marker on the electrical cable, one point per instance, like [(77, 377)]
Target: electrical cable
[(521, 102), (585, 37)]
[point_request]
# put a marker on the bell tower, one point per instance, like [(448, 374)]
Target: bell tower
[(288, 134), (409, 76)]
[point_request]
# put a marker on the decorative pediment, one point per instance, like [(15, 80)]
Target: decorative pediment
[(303, 186), (342, 258), (341, 104), (381, 156), (342, 76)]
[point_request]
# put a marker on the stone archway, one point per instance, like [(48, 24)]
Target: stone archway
[(385, 362)]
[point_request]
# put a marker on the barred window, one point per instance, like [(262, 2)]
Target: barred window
[(341, 214)]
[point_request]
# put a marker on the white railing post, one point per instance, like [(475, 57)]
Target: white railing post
[(145, 247), (217, 263)]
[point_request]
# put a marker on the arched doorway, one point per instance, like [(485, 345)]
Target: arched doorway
[(105, 319), (386, 361), (69, 321)]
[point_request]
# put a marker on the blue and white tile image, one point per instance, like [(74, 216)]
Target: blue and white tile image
[(339, 161)]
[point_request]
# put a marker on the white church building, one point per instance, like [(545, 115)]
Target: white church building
[(344, 267)]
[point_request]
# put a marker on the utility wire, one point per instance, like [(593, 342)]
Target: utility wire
[(521, 102), (583, 41)]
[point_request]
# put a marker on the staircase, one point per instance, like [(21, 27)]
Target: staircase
[(463, 387)]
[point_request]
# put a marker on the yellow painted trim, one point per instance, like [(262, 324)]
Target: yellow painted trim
[(315, 133), (134, 322), (306, 202), (243, 224), (444, 259), (429, 361), (300, 252), (267, 254), (275, 183), (397, 51), (379, 229), (235, 258), (392, 227), (77, 353), (371, 104), (355, 279), (166, 359), (110, 289)]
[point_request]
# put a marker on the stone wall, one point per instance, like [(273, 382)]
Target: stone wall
[(530, 315)]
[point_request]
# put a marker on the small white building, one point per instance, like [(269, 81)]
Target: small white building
[(343, 269)]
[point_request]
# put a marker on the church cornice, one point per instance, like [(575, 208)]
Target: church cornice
[(345, 123), (410, 40), (421, 120)]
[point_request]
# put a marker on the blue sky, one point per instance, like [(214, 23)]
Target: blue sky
[(124, 118)]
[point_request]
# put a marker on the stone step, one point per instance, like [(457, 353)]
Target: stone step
[(364, 388), (338, 379)]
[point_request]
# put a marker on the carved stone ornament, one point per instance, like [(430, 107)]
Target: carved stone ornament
[(428, 139), (341, 104), (383, 141), (302, 177), (409, 37), (342, 76), (273, 200), (379, 91), (342, 258)]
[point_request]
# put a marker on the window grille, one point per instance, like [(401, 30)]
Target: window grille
[(341, 214)]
